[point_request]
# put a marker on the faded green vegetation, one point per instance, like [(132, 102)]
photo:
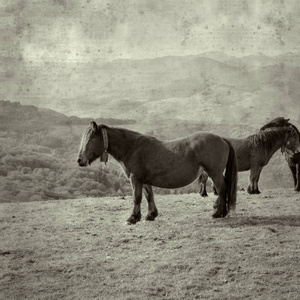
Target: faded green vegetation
[(82, 249), (38, 153)]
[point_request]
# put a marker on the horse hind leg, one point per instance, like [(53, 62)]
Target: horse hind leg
[(297, 185), (152, 210), (215, 190), (202, 183), (220, 206)]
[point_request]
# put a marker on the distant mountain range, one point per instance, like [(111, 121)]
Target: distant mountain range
[(28, 118), (211, 88)]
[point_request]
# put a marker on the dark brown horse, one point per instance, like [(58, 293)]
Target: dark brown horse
[(255, 151), (293, 159), (149, 162)]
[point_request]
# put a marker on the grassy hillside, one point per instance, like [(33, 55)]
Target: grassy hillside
[(38, 156), (41, 165), (82, 249)]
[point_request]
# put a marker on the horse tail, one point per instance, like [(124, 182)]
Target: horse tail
[(231, 177)]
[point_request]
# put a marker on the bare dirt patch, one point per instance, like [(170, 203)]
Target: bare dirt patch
[(83, 249)]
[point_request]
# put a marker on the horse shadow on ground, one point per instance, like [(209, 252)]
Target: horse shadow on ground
[(238, 221)]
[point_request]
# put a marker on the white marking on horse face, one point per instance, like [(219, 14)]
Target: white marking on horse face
[(83, 145), (292, 145), (297, 146), (292, 142)]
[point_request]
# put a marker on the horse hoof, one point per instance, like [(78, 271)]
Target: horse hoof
[(132, 220), (232, 213), (151, 216), (218, 215), (253, 192), (203, 195)]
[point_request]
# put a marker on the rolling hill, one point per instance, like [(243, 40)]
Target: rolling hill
[(211, 87), (167, 97)]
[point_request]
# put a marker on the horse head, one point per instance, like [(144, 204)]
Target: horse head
[(292, 143), (91, 146)]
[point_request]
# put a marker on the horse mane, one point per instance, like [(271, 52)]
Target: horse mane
[(127, 134), (266, 139), (280, 122), (277, 122)]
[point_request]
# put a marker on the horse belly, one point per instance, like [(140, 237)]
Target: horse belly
[(243, 159), (173, 176), (243, 164)]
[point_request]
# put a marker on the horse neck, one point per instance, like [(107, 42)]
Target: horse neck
[(279, 143), (267, 143), (120, 141)]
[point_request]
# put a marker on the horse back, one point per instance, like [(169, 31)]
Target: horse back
[(207, 148), (247, 155)]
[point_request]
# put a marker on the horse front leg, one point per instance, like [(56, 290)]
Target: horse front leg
[(251, 188), (254, 177), (137, 188), (152, 210), (295, 169)]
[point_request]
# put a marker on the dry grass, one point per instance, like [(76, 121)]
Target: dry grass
[(82, 249)]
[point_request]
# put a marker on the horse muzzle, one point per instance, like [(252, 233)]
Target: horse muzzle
[(81, 163)]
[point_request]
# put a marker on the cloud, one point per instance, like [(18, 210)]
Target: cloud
[(89, 30)]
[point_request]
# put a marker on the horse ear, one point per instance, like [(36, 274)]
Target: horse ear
[(286, 121), (94, 126)]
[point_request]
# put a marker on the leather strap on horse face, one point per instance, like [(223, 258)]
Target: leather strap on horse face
[(283, 147), (104, 155), (284, 142)]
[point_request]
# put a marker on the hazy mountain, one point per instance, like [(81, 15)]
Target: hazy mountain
[(28, 118), (211, 88)]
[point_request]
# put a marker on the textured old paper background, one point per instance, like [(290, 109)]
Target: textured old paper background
[(41, 38)]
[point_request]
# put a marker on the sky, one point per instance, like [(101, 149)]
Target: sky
[(100, 30), (36, 33)]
